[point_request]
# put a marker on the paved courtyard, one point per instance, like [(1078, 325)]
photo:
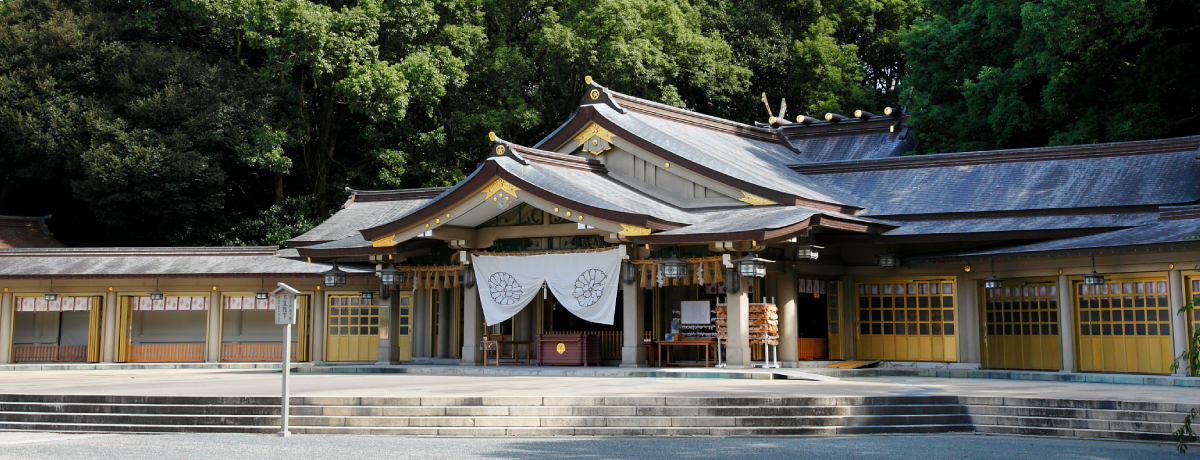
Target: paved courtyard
[(214, 382), (29, 446)]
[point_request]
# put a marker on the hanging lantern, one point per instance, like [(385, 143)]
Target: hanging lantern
[(468, 276), (992, 282), (1093, 278), (367, 294), (391, 276), (807, 251), (673, 268), (752, 266), (733, 283), (50, 295), (157, 294), (335, 277), (628, 272), (262, 293), (889, 260)]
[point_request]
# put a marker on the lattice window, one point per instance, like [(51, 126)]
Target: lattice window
[(906, 308), (350, 315), (1125, 308), (1028, 309)]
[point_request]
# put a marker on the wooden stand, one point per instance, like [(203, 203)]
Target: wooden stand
[(568, 349)]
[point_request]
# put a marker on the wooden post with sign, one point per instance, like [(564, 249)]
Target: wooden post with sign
[(285, 314)]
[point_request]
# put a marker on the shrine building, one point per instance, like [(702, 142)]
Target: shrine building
[(639, 223)]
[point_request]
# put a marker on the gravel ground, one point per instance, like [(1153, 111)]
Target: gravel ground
[(29, 446)]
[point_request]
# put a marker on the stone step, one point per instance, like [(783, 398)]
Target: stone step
[(128, 428), (136, 399), (665, 411), (633, 421), (633, 430), (1078, 423), (139, 419), (1075, 433), (179, 409), (1096, 414)]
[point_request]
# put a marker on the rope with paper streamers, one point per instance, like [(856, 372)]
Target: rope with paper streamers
[(711, 271), (429, 277)]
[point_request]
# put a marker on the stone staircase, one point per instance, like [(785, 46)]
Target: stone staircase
[(599, 416)]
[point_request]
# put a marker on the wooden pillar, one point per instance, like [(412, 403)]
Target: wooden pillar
[(212, 340), (785, 298), (1179, 329), (970, 341), (737, 346), (108, 341), (7, 327), (319, 330), (1066, 324), (388, 352), (472, 326), (849, 318), (633, 304), (445, 317)]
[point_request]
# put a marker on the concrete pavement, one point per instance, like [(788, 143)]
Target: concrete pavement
[(267, 383), (263, 447)]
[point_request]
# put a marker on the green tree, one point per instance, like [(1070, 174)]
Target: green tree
[(367, 59), (1007, 74)]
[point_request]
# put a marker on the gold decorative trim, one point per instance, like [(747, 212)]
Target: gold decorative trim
[(595, 131), (633, 230), (499, 185), (389, 240), (755, 200)]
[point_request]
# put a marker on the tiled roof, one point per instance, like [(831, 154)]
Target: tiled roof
[(365, 209), (1019, 223), (157, 262), (26, 232), (1160, 235)]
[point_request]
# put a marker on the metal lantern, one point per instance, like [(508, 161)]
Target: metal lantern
[(262, 293), (468, 276), (807, 251), (391, 276), (889, 260), (628, 272), (733, 283), (751, 266), (50, 295), (335, 277), (993, 282), (367, 294), (1093, 277), (673, 268), (157, 294)]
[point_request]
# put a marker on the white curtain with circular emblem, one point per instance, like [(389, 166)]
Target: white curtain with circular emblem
[(585, 283)]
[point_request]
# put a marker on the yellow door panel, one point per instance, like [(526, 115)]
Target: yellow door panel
[(900, 319), (1021, 325), (1127, 322), (353, 333)]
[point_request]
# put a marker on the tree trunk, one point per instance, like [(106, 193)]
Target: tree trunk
[(325, 143), (279, 189)]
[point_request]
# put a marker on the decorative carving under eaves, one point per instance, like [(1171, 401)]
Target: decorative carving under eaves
[(755, 200), (595, 139), (633, 230), (499, 185), (389, 240)]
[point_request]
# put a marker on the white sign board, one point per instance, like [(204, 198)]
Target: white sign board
[(285, 308), (694, 312), (285, 304)]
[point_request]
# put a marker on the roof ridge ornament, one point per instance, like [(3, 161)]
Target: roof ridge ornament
[(596, 94), (502, 148)]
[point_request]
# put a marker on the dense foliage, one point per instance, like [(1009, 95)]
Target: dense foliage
[(194, 122)]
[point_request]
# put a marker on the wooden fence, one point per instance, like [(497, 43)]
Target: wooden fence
[(50, 353), (254, 352), (167, 352), (610, 342)]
